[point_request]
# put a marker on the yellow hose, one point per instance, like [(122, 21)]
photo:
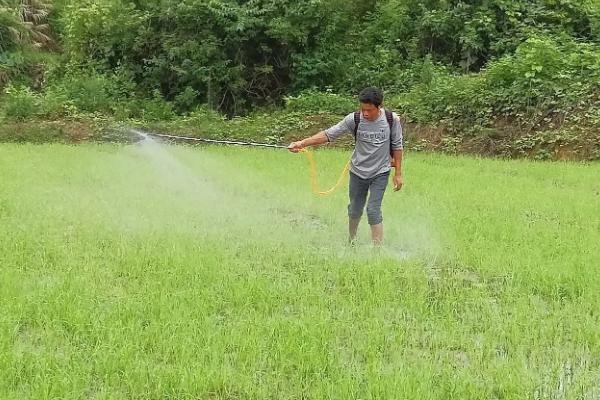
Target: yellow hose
[(313, 175)]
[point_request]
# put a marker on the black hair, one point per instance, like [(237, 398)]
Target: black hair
[(371, 95)]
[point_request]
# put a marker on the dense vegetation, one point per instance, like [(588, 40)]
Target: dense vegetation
[(481, 69)]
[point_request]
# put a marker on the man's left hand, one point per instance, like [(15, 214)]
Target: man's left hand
[(398, 182)]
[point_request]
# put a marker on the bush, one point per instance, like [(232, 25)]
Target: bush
[(186, 100), (55, 103), (446, 98), (543, 77), (319, 102), (20, 103), (90, 93), (155, 109), (204, 115)]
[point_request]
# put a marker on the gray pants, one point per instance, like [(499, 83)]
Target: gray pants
[(358, 191)]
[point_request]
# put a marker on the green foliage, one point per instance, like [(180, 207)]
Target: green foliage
[(318, 102), (57, 103), (446, 97), (20, 103), (468, 67), (24, 34), (238, 55), (544, 75), (9, 28), (23, 23), (156, 108), (11, 65), (91, 92), (186, 100), (101, 34), (543, 79)]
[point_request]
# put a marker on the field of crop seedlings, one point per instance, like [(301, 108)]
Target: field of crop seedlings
[(161, 271)]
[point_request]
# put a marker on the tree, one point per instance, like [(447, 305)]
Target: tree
[(26, 21)]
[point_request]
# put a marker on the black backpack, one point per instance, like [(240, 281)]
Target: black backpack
[(390, 120)]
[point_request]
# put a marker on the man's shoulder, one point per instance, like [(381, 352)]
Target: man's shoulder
[(394, 114), (351, 118)]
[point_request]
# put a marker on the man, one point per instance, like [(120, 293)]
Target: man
[(378, 135)]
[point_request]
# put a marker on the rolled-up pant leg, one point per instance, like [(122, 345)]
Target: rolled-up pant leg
[(377, 190)]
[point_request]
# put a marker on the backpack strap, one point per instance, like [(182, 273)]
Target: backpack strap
[(356, 122), (390, 120)]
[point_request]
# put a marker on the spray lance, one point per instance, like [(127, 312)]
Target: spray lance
[(214, 141), (312, 163)]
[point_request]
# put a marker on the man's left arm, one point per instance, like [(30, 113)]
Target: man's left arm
[(397, 164), (397, 152)]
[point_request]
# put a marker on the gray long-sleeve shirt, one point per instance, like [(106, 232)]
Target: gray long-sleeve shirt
[(371, 155)]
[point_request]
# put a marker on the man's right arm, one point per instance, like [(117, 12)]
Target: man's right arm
[(331, 134), (314, 140)]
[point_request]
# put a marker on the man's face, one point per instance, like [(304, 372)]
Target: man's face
[(370, 112)]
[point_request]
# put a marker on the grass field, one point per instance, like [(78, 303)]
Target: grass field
[(170, 272)]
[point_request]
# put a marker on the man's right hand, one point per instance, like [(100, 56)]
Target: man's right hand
[(295, 147)]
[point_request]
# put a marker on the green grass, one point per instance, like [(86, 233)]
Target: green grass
[(146, 272)]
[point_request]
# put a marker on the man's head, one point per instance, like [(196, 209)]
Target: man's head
[(370, 100)]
